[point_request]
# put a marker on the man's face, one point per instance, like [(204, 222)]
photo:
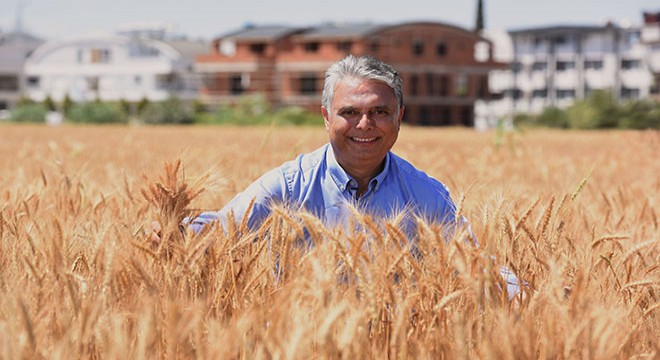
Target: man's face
[(363, 124)]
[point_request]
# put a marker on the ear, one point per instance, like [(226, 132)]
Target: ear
[(326, 119), (401, 111)]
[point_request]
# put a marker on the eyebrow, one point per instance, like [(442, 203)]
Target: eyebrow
[(349, 107)]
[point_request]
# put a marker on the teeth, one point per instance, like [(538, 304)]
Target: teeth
[(364, 139)]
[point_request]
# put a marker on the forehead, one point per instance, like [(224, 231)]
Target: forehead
[(352, 91)]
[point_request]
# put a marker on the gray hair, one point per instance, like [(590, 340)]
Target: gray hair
[(365, 67)]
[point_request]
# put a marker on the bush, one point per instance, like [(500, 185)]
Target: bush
[(598, 111), (255, 109), (294, 115), (553, 117), (29, 113), (97, 112), (640, 115), (170, 111), (67, 104), (49, 104)]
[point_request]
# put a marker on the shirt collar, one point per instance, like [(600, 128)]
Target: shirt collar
[(342, 179)]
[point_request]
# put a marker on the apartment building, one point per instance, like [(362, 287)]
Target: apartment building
[(128, 67), (556, 65), (445, 68), (15, 47)]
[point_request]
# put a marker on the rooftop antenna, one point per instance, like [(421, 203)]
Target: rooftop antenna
[(18, 24)]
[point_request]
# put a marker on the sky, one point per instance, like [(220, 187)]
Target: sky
[(206, 19)]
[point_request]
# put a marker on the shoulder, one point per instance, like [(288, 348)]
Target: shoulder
[(304, 163), (418, 179), (297, 173)]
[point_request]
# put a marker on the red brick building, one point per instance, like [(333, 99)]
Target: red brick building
[(444, 68)]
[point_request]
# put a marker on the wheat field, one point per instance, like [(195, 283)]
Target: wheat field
[(574, 214)]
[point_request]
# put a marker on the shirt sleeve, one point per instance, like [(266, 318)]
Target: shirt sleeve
[(265, 191)]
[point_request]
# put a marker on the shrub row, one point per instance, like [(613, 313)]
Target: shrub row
[(248, 110), (598, 111)]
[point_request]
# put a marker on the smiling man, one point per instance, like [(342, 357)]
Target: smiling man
[(362, 107)]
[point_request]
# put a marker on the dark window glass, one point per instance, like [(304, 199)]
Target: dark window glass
[(312, 47), (441, 49), (236, 85), (414, 85), (308, 84), (258, 48), (418, 48)]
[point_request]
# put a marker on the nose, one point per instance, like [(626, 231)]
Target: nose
[(364, 123)]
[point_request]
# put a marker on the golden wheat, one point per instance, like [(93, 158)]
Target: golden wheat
[(80, 278)]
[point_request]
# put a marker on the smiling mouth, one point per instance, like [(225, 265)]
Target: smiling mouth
[(364, 140)]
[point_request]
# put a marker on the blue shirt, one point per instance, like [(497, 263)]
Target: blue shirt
[(316, 183)]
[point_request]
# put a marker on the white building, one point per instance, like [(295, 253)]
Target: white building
[(15, 47), (554, 66), (129, 67)]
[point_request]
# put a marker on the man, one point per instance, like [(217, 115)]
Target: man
[(362, 107)]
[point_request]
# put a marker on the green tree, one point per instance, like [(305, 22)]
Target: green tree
[(97, 112), (67, 104), (49, 104), (170, 111)]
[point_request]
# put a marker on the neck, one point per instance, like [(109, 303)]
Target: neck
[(363, 176)]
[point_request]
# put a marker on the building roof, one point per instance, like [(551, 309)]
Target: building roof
[(14, 36), (340, 30), (561, 29), (188, 49), (261, 33)]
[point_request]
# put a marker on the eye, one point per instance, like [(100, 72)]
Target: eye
[(348, 112)]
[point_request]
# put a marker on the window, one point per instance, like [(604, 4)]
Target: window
[(444, 85), (629, 64), (516, 66), (308, 84), (441, 48), (565, 93), (593, 64), (634, 37), (482, 87), (429, 84), (461, 88), (540, 93), (374, 46), (466, 116), (445, 115), (538, 42), (258, 48), (344, 46), (424, 115), (93, 83), (8, 82), (628, 93), (418, 48), (414, 85), (101, 56), (236, 85), (514, 94), (311, 47), (565, 65), (94, 56), (539, 66), (33, 81)]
